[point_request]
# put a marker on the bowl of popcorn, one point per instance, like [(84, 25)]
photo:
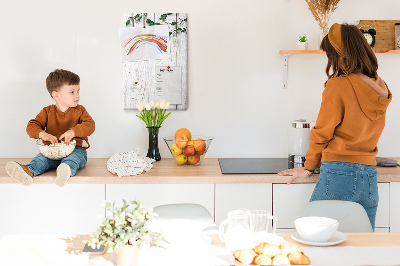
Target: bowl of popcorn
[(55, 151)]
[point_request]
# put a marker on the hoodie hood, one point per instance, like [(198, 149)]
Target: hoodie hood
[(371, 103)]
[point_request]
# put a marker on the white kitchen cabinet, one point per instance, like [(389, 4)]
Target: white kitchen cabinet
[(159, 194), (290, 201), (230, 197), (382, 220), (394, 207), (49, 209)]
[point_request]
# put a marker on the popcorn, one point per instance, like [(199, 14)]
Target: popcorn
[(56, 151)]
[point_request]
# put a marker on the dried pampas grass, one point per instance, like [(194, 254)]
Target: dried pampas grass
[(322, 11)]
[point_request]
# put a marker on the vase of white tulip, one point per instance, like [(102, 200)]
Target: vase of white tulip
[(153, 114)]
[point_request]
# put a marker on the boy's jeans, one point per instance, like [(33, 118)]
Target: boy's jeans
[(76, 160), (350, 182)]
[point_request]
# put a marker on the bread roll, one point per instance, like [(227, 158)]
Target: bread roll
[(245, 256), (262, 260), (280, 260), (287, 248), (268, 249), (297, 258)]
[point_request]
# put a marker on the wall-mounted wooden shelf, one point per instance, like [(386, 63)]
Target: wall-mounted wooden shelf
[(286, 54), (322, 52)]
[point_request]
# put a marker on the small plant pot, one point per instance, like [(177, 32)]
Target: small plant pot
[(302, 45), (127, 255)]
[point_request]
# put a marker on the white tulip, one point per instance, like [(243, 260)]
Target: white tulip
[(151, 103), (147, 106), (157, 105), (162, 104), (167, 105), (139, 106)]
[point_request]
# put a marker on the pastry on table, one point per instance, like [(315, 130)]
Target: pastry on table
[(262, 260), (298, 258), (280, 260), (287, 248), (245, 256), (268, 249)]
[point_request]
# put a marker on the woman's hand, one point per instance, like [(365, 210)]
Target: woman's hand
[(67, 136), (48, 137), (295, 173)]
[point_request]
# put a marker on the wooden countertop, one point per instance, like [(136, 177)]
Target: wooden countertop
[(167, 171)]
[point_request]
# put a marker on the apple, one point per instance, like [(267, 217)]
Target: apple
[(199, 144), (181, 141), (189, 150), (194, 159), (201, 152), (181, 159), (175, 150)]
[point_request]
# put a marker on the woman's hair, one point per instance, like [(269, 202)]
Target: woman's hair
[(60, 77), (359, 57)]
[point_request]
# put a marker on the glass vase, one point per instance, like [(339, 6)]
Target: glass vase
[(153, 151)]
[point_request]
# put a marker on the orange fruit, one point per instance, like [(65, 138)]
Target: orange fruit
[(184, 131)]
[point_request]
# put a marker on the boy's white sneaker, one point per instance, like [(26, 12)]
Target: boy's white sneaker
[(63, 174), (20, 172)]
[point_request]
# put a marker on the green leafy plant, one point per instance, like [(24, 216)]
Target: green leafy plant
[(126, 225), (153, 114), (302, 38), (179, 27)]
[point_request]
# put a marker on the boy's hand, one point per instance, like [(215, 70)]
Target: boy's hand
[(295, 173), (67, 136), (48, 137)]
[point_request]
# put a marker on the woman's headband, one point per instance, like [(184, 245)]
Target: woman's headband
[(335, 38)]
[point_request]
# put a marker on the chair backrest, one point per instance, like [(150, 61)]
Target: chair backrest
[(186, 211), (356, 221)]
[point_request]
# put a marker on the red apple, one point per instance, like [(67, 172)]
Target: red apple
[(201, 152), (194, 159), (181, 141), (199, 144), (189, 150)]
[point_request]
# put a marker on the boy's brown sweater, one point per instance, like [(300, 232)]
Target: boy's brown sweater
[(350, 121), (56, 123)]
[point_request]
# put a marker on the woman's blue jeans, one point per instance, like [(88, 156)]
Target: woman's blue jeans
[(350, 182), (76, 160)]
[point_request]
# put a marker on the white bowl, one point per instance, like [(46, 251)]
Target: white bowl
[(316, 229), (181, 231)]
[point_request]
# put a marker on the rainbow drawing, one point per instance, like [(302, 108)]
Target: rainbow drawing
[(145, 39)]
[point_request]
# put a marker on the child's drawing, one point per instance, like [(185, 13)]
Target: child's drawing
[(144, 43)]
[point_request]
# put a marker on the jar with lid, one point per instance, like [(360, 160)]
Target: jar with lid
[(299, 142), (397, 36)]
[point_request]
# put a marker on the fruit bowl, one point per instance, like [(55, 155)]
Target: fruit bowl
[(55, 151), (188, 152)]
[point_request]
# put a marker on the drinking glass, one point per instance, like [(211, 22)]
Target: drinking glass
[(259, 225)]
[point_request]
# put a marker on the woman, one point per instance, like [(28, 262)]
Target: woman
[(350, 121)]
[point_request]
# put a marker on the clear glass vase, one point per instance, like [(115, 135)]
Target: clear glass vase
[(153, 151)]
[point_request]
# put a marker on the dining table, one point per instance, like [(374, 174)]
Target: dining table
[(357, 249)]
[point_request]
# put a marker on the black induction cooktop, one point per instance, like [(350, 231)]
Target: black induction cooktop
[(253, 165)]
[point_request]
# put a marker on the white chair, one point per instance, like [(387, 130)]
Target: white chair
[(356, 217), (186, 211)]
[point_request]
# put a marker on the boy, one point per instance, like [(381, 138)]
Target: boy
[(63, 120)]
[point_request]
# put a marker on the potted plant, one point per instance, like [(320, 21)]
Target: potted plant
[(123, 229), (302, 44)]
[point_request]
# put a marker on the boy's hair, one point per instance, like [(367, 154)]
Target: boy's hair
[(359, 57), (59, 78)]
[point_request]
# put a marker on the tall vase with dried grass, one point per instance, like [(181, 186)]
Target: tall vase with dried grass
[(322, 11)]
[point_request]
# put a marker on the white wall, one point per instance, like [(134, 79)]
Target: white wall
[(235, 71)]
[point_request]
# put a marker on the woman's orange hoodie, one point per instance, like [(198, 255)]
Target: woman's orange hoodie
[(350, 121)]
